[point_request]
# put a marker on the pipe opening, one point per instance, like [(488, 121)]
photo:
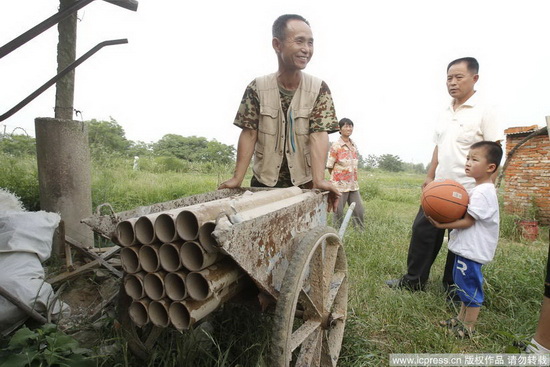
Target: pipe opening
[(133, 285), (174, 284), (145, 232), (187, 225), (138, 312), (158, 313), (165, 228), (197, 286), (129, 259), (125, 233), (169, 255), (154, 286), (192, 255), (179, 316), (205, 237), (149, 258)]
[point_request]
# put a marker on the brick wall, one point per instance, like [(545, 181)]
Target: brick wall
[(527, 178)]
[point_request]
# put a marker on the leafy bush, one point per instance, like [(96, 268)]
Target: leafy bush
[(18, 145), (45, 346)]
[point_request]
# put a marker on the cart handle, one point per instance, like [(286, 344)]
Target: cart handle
[(345, 222)]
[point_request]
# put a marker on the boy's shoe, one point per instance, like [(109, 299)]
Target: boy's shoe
[(450, 323), (462, 332)]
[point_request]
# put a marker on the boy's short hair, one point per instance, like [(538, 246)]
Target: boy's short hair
[(345, 121), (493, 151)]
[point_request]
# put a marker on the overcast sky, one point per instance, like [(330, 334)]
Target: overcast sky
[(187, 64)]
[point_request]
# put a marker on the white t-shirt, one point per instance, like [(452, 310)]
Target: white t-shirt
[(457, 130), (479, 242)]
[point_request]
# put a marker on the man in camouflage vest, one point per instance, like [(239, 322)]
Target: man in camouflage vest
[(286, 117)]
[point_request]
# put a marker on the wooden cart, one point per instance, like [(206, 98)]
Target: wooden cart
[(291, 255)]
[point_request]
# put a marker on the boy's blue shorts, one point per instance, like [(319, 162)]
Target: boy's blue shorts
[(469, 281)]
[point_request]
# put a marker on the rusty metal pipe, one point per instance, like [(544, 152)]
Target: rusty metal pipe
[(138, 312), (169, 255), (252, 213), (133, 285), (174, 284), (125, 233), (179, 316), (153, 285), (129, 259), (158, 312), (165, 226), (149, 257), (194, 257), (190, 219), (145, 230), (207, 241), (203, 284), (186, 313)]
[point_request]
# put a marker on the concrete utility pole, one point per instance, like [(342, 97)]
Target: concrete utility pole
[(66, 54), (63, 154)]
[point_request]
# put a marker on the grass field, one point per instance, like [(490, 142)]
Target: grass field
[(381, 321)]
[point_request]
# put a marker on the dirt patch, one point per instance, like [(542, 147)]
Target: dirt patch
[(92, 297)]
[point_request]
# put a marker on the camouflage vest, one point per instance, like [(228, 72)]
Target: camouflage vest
[(275, 129)]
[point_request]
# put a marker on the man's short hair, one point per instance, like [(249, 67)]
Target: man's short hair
[(471, 64), (345, 121), (493, 151), (279, 26)]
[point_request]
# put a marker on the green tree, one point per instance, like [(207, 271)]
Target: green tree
[(140, 149), (219, 153), (414, 168), (390, 162), (371, 161), (18, 145), (194, 149), (107, 136)]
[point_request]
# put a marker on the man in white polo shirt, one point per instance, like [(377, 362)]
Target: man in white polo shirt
[(464, 122)]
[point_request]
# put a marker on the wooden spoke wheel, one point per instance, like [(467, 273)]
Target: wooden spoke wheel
[(310, 314)]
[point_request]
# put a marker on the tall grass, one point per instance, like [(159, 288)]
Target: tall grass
[(156, 180), (20, 176), (381, 320)]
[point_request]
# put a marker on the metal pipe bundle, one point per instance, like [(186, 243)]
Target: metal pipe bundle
[(176, 273)]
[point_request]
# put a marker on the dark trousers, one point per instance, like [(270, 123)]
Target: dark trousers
[(426, 241)]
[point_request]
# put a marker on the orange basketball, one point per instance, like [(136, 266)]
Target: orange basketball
[(445, 200)]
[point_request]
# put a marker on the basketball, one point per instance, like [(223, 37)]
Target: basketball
[(444, 200)]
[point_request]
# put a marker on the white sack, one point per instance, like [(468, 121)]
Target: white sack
[(26, 241), (28, 232)]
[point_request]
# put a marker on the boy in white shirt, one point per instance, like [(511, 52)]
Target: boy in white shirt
[(474, 237)]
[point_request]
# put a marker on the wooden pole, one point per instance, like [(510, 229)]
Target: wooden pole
[(23, 306)]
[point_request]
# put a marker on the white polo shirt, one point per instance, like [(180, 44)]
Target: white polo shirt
[(457, 130)]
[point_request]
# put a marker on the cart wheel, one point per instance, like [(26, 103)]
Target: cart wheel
[(140, 340), (310, 314)]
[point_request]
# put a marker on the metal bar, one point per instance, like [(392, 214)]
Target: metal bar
[(345, 222), (65, 71), (56, 18), (126, 4), (41, 27)]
